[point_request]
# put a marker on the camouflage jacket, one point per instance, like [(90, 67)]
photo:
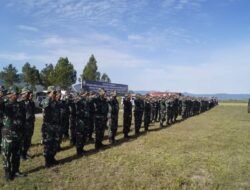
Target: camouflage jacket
[(29, 107), (13, 119), (101, 107), (82, 109), (51, 112)]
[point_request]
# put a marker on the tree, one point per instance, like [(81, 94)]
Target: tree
[(47, 75), (30, 75), (9, 75), (105, 78), (90, 70), (64, 73)]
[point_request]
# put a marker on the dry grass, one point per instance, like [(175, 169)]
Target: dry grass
[(209, 151)]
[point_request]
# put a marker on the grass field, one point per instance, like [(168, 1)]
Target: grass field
[(209, 151)]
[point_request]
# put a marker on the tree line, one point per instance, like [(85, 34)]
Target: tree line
[(62, 74)]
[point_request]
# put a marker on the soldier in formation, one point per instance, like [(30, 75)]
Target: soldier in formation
[(78, 116)]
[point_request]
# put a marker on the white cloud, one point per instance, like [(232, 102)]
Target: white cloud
[(27, 28), (226, 71)]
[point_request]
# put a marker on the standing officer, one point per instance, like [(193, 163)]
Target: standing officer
[(147, 113), (2, 93), (82, 116), (29, 107), (12, 132), (72, 119), (101, 110), (114, 116), (50, 127), (138, 112), (127, 115)]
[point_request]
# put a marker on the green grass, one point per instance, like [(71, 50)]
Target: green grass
[(209, 151)]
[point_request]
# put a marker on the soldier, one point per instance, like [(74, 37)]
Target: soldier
[(162, 112), (138, 113), (82, 116), (2, 94), (91, 116), (101, 110), (50, 127), (72, 119), (114, 116), (12, 133), (157, 112), (175, 108), (147, 113), (29, 107), (127, 115), (61, 110), (169, 108), (65, 117)]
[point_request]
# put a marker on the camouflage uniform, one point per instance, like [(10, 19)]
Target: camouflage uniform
[(114, 118), (162, 112), (175, 109), (184, 108), (147, 112), (127, 116), (72, 121), (91, 117), (101, 110), (50, 128), (65, 118), (157, 111), (12, 133), (29, 106), (169, 108), (138, 113), (82, 115), (2, 90)]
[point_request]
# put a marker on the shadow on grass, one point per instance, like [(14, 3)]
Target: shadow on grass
[(105, 147)]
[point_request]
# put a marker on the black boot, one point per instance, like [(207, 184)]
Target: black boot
[(79, 151), (54, 161), (48, 162), (7, 176)]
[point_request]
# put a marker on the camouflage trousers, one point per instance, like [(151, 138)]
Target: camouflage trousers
[(72, 127), (91, 125), (184, 113), (81, 134), (113, 127), (162, 118), (51, 139), (100, 125), (27, 136), (138, 121), (1, 126), (146, 120), (11, 148), (127, 119), (65, 126)]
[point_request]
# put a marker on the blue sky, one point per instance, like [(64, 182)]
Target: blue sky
[(199, 46)]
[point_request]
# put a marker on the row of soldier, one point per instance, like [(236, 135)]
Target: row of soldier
[(78, 116)]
